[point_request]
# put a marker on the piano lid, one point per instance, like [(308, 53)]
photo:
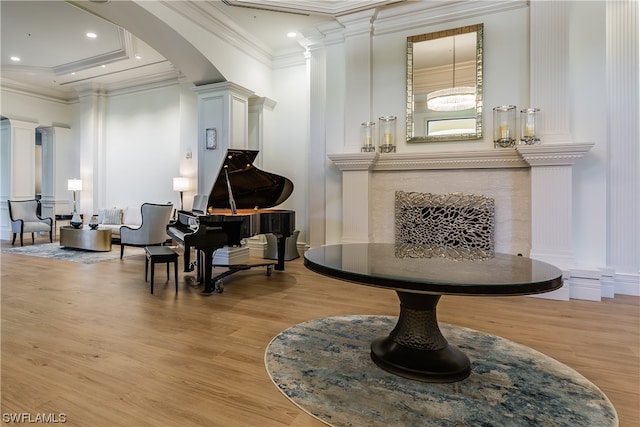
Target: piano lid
[(250, 186)]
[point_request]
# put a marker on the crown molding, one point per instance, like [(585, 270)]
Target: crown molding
[(61, 96), (213, 20), (415, 15), (306, 7)]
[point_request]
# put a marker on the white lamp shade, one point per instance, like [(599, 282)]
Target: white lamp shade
[(74, 185), (181, 183)]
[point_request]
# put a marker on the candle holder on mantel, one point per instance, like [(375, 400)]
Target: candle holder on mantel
[(528, 126), (368, 136), (387, 134), (504, 126)]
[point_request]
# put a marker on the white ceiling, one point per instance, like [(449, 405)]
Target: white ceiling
[(57, 57)]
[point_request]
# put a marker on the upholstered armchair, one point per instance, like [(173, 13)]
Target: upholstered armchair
[(152, 231), (25, 219)]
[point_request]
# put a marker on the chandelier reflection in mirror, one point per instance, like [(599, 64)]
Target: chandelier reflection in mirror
[(452, 98)]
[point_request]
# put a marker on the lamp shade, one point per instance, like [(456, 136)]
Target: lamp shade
[(74, 185), (181, 183)]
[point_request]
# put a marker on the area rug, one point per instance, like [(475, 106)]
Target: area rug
[(55, 251), (324, 367)]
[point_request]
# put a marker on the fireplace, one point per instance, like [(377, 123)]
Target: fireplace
[(531, 187)]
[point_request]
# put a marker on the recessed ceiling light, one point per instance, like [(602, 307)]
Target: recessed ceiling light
[(291, 34), (138, 56), (92, 35), (103, 66), (15, 59)]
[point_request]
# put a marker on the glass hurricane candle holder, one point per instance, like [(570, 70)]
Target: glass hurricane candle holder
[(528, 126), (504, 126), (368, 137), (387, 134)]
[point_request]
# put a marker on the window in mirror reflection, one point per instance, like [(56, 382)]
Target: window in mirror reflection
[(444, 85), (450, 127)]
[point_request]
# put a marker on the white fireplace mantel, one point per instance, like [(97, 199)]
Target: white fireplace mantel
[(538, 177), (519, 157)]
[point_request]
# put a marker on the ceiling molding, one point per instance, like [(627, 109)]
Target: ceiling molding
[(47, 94), (415, 15), (212, 19), (102, 59), (121, 72), (305, 7)]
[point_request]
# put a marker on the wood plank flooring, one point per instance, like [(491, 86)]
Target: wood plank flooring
[(90, 342)]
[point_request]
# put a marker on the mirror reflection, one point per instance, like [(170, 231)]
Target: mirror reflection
[(444, 85)]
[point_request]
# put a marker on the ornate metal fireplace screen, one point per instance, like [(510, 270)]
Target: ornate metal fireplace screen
[(456, 226)]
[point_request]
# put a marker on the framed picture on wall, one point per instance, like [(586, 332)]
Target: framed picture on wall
[(211, 138)]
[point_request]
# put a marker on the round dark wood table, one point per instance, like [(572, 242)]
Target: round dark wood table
[(416, 348)]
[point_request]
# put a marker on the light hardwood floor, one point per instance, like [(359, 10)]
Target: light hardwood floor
[(89, 341)]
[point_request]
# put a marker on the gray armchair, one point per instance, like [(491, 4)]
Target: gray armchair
[(152, 231), (25, 219)]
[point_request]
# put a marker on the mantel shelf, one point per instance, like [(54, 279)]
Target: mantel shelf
[(519, 157)]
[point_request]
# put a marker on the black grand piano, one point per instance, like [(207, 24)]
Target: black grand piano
[(238, 207)]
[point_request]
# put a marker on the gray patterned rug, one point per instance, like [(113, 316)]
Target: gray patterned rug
[(324, 367), (55, 251)]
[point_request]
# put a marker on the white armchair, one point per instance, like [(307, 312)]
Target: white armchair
[(25, 219), (152, 232)]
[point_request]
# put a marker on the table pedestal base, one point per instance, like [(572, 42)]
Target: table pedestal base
[(415, 348)]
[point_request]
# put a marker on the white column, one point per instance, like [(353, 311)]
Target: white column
[(549, 69), (356, 200), (225, 108), (551, 205), (20, 148), (259, 125), (358, 89), (17, 166), (56, 152), (317, 160), (88, 158), (622, 42)]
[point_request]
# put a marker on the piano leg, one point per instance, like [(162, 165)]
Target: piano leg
[(209, 286), (199, 261), (282, 245), (187, 259)]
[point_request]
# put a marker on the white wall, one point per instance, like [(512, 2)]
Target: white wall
[(143, 151)]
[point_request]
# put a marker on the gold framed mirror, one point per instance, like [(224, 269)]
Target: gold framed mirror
[(444, 85)]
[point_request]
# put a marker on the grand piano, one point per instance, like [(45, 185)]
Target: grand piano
[(239, 206)]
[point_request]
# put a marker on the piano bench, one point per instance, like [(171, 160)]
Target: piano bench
[(160, 254)]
